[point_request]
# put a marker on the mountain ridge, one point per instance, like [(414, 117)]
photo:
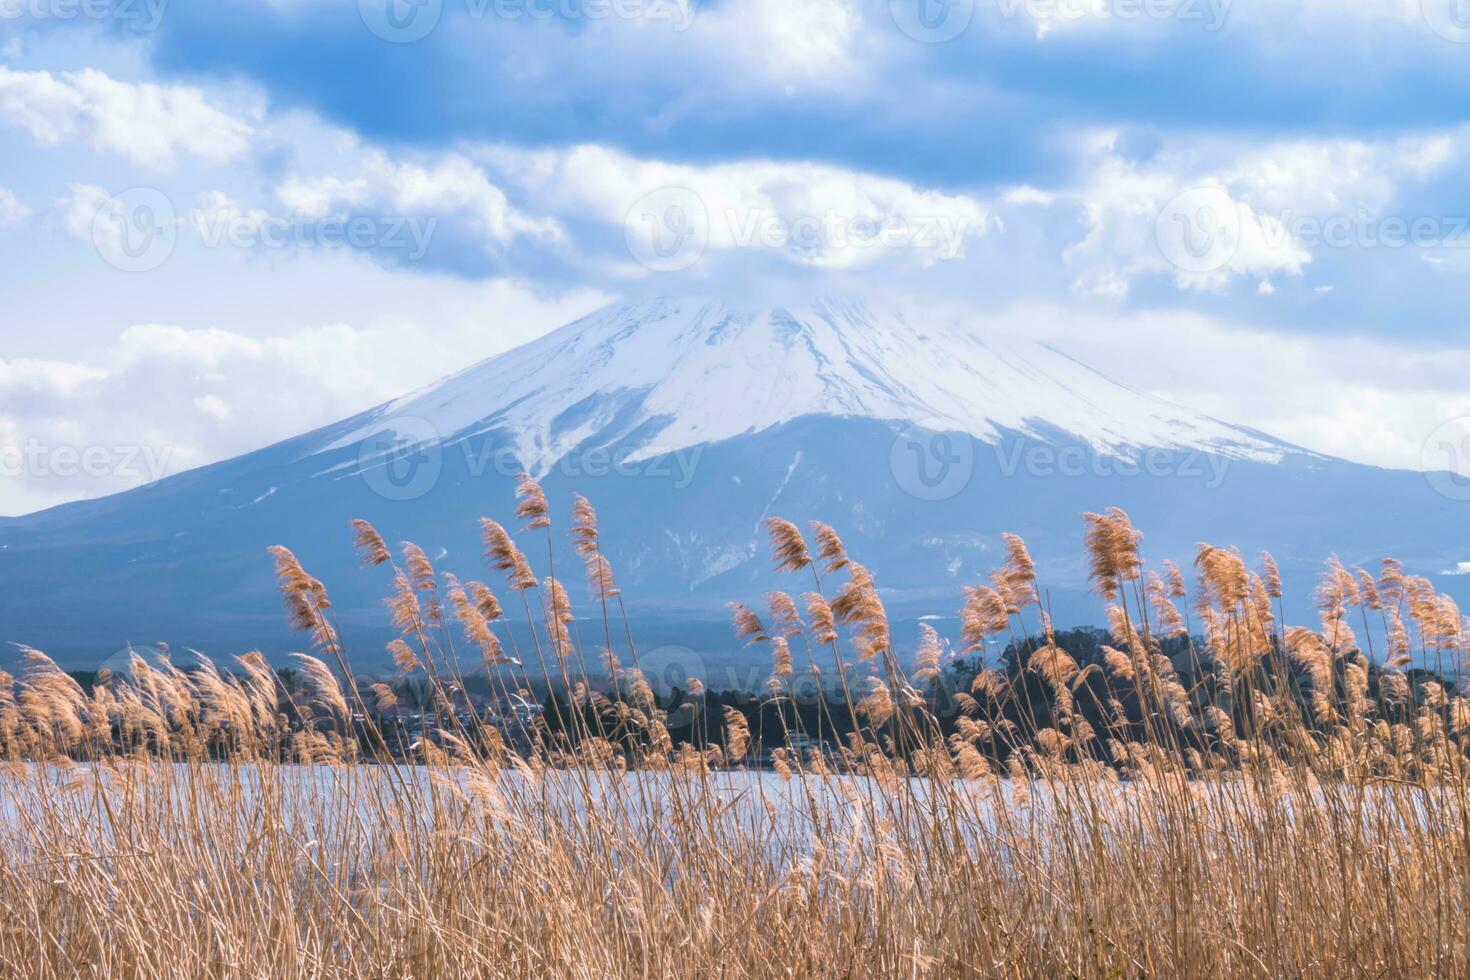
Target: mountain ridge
[(830, 358), (683, 465)]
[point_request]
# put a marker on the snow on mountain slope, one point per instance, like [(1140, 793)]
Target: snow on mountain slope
[(675, 373), (788, 411)]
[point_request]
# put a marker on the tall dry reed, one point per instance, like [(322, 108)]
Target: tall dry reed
[(1272, 801)]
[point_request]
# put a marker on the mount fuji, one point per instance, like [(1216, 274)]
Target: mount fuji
[(686, 422)]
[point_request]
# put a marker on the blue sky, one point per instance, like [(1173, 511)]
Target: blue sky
[(224, 222)]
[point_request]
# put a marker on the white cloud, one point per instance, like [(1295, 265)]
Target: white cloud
[(1204, 212), (1374, 401), (1148, 221), (1297, 177), (131, 230), (48, 108), (813, 215), (215, 407), (145, 122), (12, 211), (451, 186), (79, 209), (1026, 194), (163, 398), (317, 197), (199, 391), (789, 42), (25, 377), (696, 52), (1047, 16), (218, 210)]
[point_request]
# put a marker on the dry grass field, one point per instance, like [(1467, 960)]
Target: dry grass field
[(1270, 801)]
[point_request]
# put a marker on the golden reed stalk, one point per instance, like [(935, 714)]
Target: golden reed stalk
[(1268, 801)]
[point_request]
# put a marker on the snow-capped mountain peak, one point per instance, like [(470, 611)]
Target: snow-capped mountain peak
[(673, 373), (794, 411)]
